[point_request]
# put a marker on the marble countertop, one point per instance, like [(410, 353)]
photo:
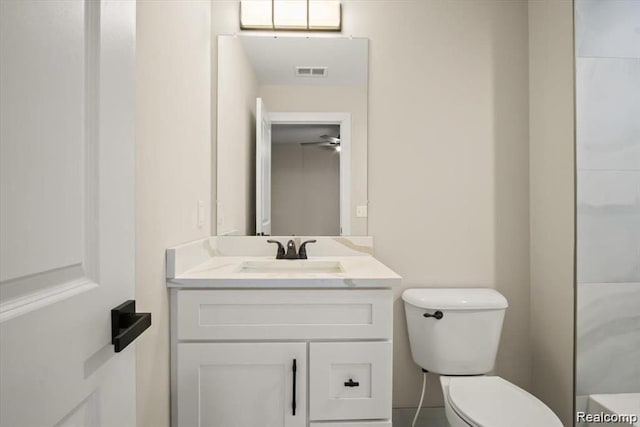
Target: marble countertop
[(216, 263)]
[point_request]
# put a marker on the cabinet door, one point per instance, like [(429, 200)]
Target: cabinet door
[(242, 384), (350, 380)]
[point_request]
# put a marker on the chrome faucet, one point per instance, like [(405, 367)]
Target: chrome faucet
[(291, 249)]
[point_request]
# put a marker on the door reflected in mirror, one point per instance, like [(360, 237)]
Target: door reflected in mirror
[(292, 135), (306, 172)]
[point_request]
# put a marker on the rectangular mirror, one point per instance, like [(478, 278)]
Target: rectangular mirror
[(292, 136)]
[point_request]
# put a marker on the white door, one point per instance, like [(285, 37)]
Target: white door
[(242, 384), (67, 99), (263, 169)]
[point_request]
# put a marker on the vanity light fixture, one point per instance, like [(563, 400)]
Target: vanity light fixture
[(301, 15)]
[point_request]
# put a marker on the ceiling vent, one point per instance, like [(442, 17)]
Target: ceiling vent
[(311, 71)]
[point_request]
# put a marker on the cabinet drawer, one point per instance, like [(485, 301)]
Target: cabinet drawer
[(284, 314), (353, 424), (350, 380)]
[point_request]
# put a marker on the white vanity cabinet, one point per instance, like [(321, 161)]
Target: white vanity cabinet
[(233, 352)]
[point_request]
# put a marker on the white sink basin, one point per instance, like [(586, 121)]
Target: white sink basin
[(287, 266)]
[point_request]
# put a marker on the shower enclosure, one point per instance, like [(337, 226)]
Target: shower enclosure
[(607, 48)]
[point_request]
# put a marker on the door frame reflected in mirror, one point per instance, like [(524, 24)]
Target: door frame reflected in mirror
[(343, 119)]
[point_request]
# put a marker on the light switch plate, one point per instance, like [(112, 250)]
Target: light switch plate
[(361, 211)]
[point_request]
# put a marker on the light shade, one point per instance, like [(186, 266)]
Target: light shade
[(256, 14), (290, 14), (324, 15)]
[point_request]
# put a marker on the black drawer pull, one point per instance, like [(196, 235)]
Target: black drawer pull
[(351, 383), (293, 400)]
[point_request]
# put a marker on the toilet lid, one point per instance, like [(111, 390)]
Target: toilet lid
[(494, 402)]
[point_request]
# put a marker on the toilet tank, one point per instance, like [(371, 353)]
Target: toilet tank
[(464, 340)]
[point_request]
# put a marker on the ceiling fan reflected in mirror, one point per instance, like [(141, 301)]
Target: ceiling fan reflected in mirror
[(327, 141)]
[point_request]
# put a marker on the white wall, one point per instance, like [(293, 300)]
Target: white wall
[(340, 99), (173, 171), (448, 153), (552, 170), (237, 93), (447, 157)]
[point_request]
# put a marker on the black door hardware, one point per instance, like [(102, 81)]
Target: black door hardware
[(126, 324), (438, 315), (293, 399), (351, 383)]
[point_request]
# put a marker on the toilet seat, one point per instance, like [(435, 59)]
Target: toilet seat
[(494, 402)]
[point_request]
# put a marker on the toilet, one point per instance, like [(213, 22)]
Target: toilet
[(455, 333)]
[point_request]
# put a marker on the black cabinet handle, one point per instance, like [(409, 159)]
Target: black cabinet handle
[(351, 383), (127, 325), (438, 315), (293, 400)]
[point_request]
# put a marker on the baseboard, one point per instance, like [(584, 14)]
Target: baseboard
[(429, 417)]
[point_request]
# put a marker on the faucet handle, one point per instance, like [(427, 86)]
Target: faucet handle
[(280, 253), (302, 252)]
